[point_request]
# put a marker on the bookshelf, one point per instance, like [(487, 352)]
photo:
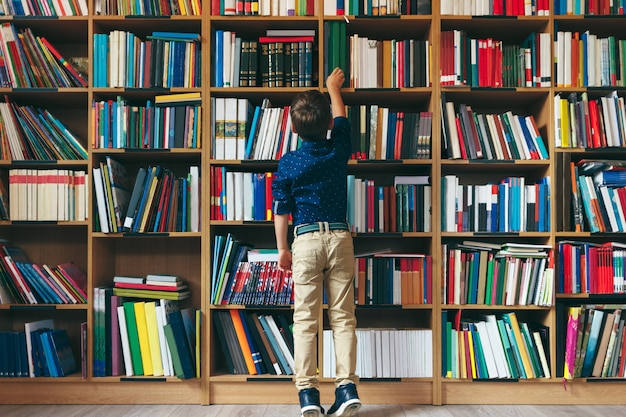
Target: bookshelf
[(188, 254)]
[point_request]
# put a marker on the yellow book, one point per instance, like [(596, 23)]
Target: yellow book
[(511, 318), (565, 143), (142, 332), (146, 211), (470, 343), (461, 355), (153, 338)]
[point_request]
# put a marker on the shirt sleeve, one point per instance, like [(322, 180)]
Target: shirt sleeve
[(281, 192), (342, 135)]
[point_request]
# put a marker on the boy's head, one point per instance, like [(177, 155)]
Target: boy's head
[(311, 115)]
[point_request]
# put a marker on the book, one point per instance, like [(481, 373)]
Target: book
[(30, 328)]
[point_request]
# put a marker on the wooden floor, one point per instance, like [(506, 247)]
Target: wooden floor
[(264, 410)]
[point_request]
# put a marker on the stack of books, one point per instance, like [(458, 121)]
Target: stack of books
[(153, 286)]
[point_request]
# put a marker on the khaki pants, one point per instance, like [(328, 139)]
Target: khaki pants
[(323, 259)]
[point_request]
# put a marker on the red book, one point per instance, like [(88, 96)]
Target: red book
[(148, 287), (397, 148), (271, 39), (461, 139), (76, 75), (450, 277), (593, 270), (428, 260), (310, 7), (269, 214)]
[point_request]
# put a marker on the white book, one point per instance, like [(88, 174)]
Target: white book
[(100, 200), (29, 328), (220, 114), (227, 57), (230, 195), (281, 341), (488, 351), (239, 195), (230, 128), (121, 321), (166, 355), (496, 346), (194, 198), (248, 196), (607, 203), (243, 113)]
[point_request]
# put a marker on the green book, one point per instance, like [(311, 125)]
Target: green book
[(510, 360), (133, 337), (171, 343)]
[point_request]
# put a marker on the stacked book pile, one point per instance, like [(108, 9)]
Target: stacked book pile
[(153, 286)]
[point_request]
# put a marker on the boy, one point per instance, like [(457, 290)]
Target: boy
[(311, 184)]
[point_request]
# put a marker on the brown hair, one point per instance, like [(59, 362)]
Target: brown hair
[(311, 115)]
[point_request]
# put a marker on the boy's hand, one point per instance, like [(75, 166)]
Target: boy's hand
[(335, 79), (284, 259)]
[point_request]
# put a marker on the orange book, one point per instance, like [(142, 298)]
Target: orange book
[(243, 341), (387, 58)]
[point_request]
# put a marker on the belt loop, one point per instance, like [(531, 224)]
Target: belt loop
[(326, 227)]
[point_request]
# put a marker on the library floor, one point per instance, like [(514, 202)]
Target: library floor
[(368, 410)]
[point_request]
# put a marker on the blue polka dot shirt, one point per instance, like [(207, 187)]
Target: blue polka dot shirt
[(311, 183)]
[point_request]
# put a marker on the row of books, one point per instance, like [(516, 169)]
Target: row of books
[(135, 337), (404, 206), (604, 206), (237, 195), (31, 61), (584, 59), (243, 131), (471, 135), (44, 8), (33, 133), (583, 123), (162, 60), (143, 8), (494, 347), (159, 200), (490, 62), (598, 196), (376, 63), (25, 282), (513, 205), (385, 353), (255, 343), (496, 8), (47, 195), (591, 268), (152, 286), (40, 350), (594, 342), (498, 274), (268, 61), (262, 8), (380, 133), (171, 121), (259, 283), (593, 8), (243, 275), (393, 279), (376, 8)]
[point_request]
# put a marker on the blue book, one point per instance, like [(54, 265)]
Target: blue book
[(46, 346), (282, 361), (256, 353), (592, 344), (253, 128), (219, 244), (154, 173), (517, 356), (184, 351), (62, 352), (259, 196), (176, 36), (218, 65)]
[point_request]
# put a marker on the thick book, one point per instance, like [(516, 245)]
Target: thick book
[(182, 346)]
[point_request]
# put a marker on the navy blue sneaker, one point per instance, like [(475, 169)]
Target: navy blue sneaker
[(347, 401), (310, 402)]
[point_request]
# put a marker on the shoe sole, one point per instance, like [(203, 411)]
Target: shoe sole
[(348, 409), (311, 413)]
